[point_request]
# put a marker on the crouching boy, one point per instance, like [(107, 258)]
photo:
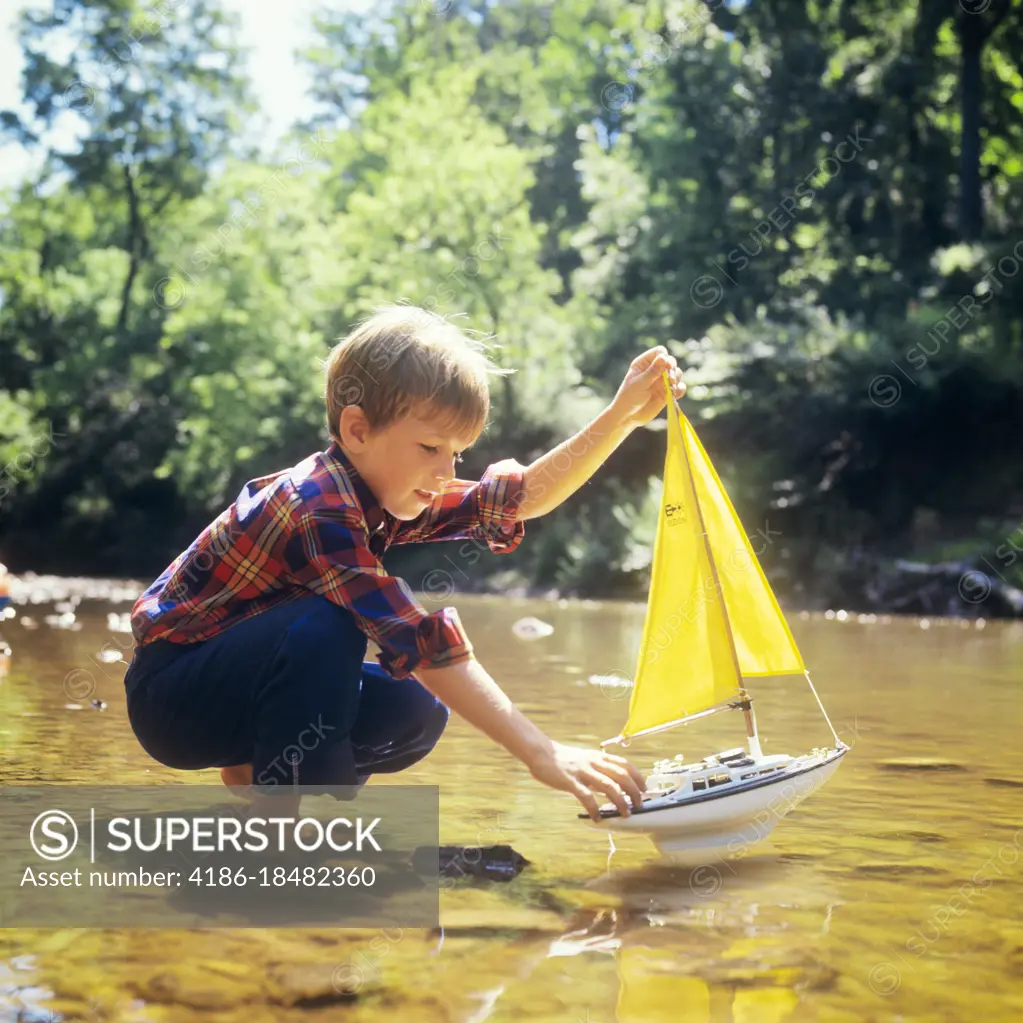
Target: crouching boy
[(250, 646)]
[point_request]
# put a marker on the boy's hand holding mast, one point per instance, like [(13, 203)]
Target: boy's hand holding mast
[(469, 690), (562, 471)]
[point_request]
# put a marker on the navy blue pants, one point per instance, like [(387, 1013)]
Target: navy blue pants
[(288, 691)]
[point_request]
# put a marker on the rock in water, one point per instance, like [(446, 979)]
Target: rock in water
[(493, 862), (531, 628)]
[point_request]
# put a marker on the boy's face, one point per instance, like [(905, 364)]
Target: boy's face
[(406, 463)]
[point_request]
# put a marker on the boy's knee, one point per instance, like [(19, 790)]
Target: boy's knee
[(435, 722), (428, 717), (327, 627)]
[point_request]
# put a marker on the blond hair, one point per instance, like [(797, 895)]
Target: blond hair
[(402, 358)]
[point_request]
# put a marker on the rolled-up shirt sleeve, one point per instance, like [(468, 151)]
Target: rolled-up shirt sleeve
[(498, 497), (484, 510), (328, 553)]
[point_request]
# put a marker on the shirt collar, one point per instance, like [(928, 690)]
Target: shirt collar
[(372, 510)]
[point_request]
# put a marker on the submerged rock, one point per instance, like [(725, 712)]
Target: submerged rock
[(306, 985), (194, 987), (484, 911)]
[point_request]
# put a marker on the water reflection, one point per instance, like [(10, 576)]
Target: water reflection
[(707, 943)]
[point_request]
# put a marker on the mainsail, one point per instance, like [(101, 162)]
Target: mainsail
[(712, 617)]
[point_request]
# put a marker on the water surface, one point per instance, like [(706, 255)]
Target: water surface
[(893, 893)]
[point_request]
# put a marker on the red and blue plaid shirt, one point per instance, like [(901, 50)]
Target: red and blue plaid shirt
[(317, 527)]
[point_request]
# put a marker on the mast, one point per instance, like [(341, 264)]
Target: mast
[(745, 703)]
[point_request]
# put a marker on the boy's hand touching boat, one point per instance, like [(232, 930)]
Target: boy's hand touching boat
[(577, 770), (467, 688), (641, 395)]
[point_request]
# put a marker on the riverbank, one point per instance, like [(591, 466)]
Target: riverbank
[(955, 589)]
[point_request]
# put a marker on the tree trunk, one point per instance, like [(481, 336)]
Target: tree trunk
[(971, 212), (133, 246)]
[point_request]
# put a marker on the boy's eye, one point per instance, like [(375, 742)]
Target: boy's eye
[(432, 448)]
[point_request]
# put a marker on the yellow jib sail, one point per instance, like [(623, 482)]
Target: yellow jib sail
[(711, 614)]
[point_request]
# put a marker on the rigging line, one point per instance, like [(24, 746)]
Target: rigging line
[(823, 711), (624, 740)]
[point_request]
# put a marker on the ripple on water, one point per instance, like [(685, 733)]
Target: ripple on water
[(897, 870), (915, 836), (919, 764)]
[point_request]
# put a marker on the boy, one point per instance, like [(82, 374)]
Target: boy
[(250, 645)]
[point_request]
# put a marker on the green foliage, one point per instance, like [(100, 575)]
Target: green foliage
[(800, 200)]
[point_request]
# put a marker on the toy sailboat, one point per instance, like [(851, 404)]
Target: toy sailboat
[(712, 620)]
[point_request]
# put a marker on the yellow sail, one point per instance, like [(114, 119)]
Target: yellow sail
[(711, 614), (763, 642)]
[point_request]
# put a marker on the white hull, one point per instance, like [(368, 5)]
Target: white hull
[(702, 826)]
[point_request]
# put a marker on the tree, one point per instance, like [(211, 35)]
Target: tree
[(132, 107)]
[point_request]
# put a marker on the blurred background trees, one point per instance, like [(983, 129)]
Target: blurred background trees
[(816, 206)]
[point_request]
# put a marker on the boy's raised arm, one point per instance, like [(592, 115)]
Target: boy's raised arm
[(468, 689), (558, 474)]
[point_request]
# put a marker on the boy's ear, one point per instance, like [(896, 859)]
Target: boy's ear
[(353, 427)]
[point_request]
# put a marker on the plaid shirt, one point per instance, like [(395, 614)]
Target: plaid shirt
[(317, 527)]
